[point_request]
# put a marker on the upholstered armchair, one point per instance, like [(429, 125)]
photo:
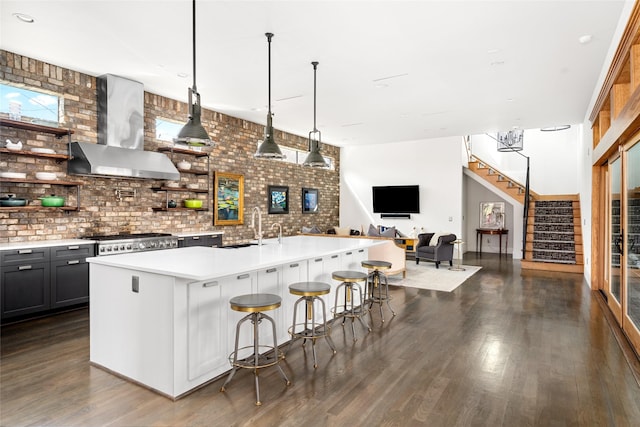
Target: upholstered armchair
[(435, 247)]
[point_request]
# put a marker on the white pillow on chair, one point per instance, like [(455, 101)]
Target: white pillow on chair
[(436, 237)]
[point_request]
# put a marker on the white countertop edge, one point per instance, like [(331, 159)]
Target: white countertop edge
[(44, 244), (221, 262)]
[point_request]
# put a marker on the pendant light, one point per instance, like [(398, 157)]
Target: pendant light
[(268, 149), (193, 133), (315, 159)]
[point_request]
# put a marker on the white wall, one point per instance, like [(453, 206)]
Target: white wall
[(584, 154), (553, 161), (433, 164)]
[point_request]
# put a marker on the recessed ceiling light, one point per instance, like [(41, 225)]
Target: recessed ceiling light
[(492, 51), (183, 75), (555, 128), (24, 18), (381, 85), (495, 63), (391, 77), (585, 39)]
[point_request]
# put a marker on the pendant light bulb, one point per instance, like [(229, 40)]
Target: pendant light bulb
[(193, 133), (314, 158), (268, 149)]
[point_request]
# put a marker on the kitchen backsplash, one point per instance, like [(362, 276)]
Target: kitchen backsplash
[(103, 212)]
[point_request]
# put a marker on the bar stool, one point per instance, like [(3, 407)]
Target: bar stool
[(310, 292), (377, 280), (349, 283), (255, 304)]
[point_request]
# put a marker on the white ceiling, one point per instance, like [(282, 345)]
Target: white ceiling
[(462, 67)]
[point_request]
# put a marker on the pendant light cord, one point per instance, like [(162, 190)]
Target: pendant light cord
[(269, 36), (194, 47), (315, 67)]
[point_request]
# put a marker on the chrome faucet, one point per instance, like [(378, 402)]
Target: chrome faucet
[(257, 234), (279, 232)]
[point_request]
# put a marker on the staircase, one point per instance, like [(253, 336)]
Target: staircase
[(499, 180), (554, 232)]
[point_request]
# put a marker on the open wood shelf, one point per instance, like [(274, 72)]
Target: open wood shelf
[(182, 151), (37, 208), (38, 181), (34, 154), (179, 209), (58, 132), (194, 171), (180, 189)]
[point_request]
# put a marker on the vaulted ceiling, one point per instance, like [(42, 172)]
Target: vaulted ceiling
[(389, 70)]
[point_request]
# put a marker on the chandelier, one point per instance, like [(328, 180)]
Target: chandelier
[(511, 140)]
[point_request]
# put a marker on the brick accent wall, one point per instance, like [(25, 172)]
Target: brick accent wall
[(102, 213)]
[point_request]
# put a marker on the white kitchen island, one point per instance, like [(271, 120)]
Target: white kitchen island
[(162, 318)]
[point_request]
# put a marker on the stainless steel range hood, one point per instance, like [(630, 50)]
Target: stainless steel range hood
[(120, 151)]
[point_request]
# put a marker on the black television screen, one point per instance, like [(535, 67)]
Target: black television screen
[(396, 199)]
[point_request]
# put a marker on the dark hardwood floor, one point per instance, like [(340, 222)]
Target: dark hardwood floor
[(504, 349)]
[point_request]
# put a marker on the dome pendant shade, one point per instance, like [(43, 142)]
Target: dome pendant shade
[(314, 158), (193, 133), (268, 149)]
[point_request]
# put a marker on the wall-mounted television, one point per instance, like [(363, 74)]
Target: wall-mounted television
[(403, 199)]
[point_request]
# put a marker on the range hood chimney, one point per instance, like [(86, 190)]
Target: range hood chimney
[(120, 149)]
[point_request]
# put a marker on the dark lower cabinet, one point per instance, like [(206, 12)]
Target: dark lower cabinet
[(25, 289), (58, 278), (69, 283), (201, 240)]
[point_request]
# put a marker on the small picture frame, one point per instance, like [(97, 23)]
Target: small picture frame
[(492, 215), (278, 199), (309, 200)]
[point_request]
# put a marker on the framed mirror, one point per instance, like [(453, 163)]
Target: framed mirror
[(228, 198)]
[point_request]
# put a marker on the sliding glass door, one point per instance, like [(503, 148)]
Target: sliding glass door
[(631, 257), (613, 282)]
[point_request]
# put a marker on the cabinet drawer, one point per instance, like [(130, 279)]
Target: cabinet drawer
[(73, 251), (202, 240), (24, 256)]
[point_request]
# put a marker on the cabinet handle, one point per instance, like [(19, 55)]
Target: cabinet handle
[(294, 265), (272, 270), (196, 237), (209, 284), (349, 253), (243, 276), (361, 250), (73, 248), (180, 238), (24, 267), (75, 261), (334, 256), (25, 251)]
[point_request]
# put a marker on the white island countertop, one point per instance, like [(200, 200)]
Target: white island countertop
[(203, 263)]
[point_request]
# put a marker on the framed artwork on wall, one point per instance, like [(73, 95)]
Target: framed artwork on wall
[(278, 199), (309, 200), (228, 198), (491, 215)]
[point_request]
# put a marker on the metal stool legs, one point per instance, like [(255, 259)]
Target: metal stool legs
[(378, 280), (256, 360), (317, 330), (350, 310)]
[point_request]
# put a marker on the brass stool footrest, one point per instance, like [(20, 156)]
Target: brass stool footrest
[(264, 360)]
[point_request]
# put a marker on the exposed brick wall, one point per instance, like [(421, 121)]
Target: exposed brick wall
[(102, 213)]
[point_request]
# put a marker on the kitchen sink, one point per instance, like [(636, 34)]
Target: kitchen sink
[(240, 245)]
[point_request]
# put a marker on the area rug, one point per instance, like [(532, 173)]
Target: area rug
[(427, 276)]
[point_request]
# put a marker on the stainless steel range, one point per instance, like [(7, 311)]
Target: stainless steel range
[(128, 243)]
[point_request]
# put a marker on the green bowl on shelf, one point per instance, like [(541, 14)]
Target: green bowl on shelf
[(193, 203)]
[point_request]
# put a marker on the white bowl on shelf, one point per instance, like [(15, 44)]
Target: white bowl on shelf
[(43, 150), (172, 184), (184, 165), (16, 175), (46, 176), (193, 186)]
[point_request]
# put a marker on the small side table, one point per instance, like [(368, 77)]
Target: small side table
[(493, 231), (458, 243)]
